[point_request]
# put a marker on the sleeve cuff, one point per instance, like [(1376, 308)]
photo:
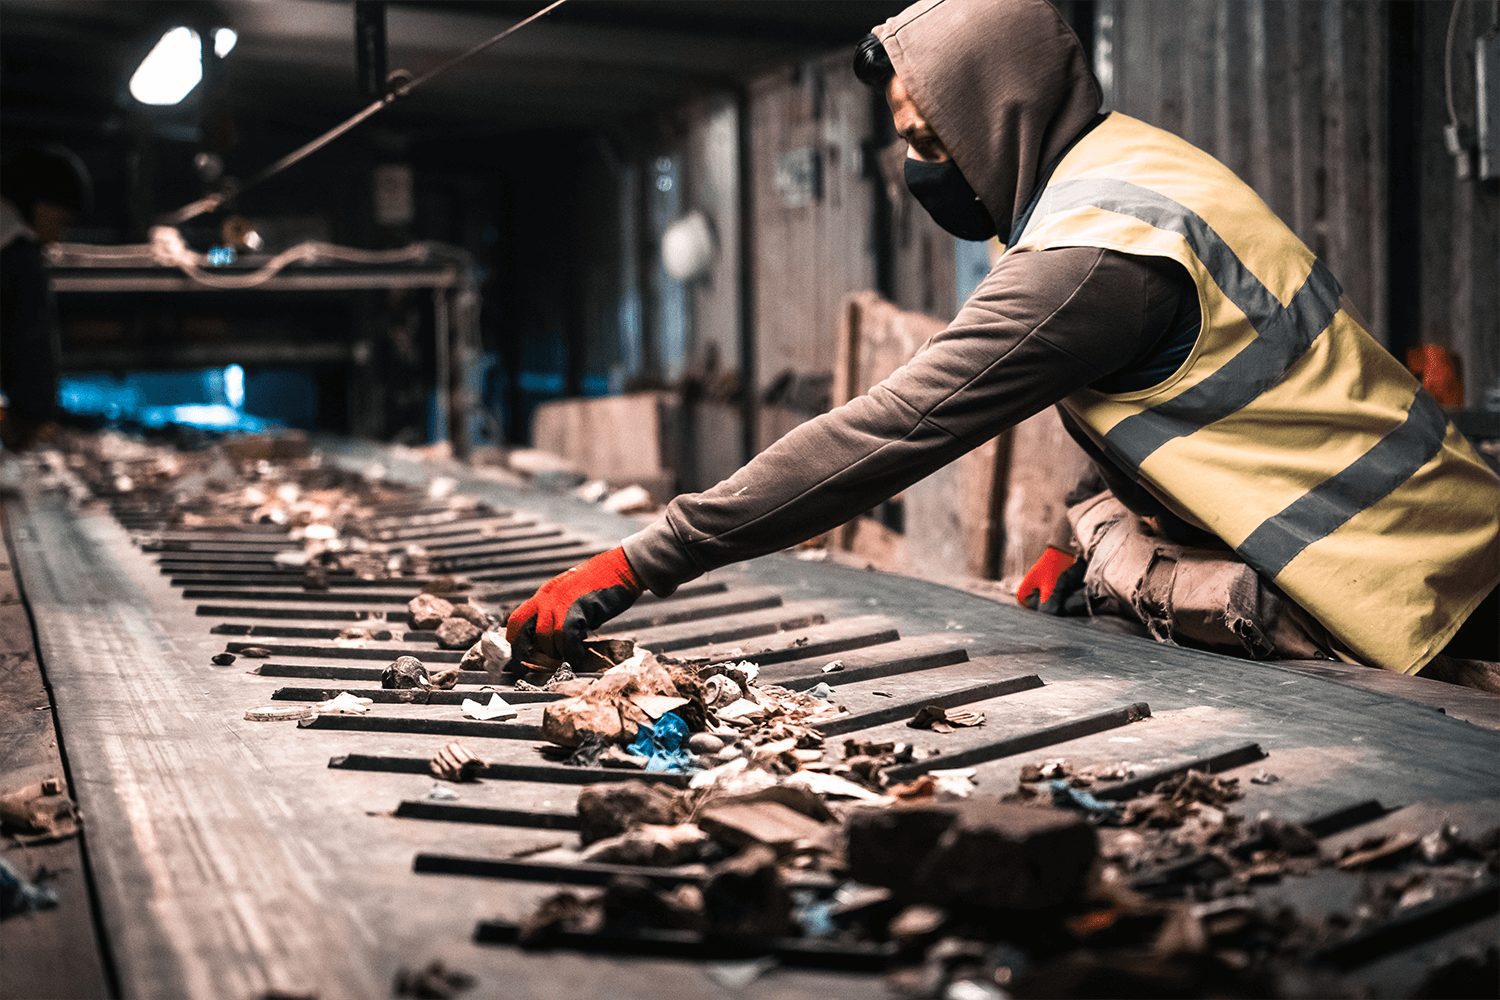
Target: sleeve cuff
[(659, 560)]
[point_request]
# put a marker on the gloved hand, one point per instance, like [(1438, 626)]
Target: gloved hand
[(570, 605), (1054, 584)]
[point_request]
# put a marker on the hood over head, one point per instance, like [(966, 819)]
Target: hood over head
[(1005, 84)]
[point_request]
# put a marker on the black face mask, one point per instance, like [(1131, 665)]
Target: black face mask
[(948, 198)]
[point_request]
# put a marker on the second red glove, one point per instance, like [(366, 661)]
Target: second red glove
[(1041, 580), (566, 608)]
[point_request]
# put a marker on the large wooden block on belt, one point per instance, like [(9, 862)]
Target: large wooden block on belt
[(990, 854), (623, 440)]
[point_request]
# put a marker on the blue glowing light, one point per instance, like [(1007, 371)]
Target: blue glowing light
[(211, 399), (220, 256), (234, 386)]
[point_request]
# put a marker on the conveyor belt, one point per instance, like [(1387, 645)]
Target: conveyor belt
[(237, 857)]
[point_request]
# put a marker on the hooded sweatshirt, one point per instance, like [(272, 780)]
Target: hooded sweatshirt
[(1006, 86)]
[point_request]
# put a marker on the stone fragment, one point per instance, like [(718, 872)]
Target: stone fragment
[(405, 672), (457, 633), (471, 614), (255, 652), (607, 810), (631, 903), (745, 897), (574, 721), (221, 659), (701, 743), (563, 912), (444, 678), (427, 611), (651, 844), (981, 853)]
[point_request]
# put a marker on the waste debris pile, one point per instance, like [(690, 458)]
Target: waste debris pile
[(274, 481), (1167, 893), (743, 819)]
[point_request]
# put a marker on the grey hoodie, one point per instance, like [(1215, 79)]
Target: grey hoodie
[(1006, 87), (1004, 84)]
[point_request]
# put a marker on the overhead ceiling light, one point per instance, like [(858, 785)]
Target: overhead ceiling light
[(171, 70), (224, 39)]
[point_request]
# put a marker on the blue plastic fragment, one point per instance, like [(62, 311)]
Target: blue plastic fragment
[(20, 895), (814, 914), (662, 745), (1068, 797)]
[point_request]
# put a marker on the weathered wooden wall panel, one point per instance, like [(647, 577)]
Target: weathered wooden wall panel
[(1460, 219), (711, 424), (813, 212), (1289, 95)]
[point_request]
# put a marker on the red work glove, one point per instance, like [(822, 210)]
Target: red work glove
[(1051, 580), (570, 605)]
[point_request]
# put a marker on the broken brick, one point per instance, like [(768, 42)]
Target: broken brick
[(771, 824), (979, 853)]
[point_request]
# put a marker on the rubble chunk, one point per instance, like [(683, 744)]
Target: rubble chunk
[(745, 897), (652, 844), (565, 911), (608, 810), (471, 614), (631, 903), (444, 678), (457, 633), (406, 672), (972, 852), (705, 743), (427, 611)]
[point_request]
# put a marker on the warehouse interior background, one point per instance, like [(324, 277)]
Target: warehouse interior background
[(557, 162), (364, 403)]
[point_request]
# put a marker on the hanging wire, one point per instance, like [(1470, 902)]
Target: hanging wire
[(167, 249), (1448, 63), (194, 209)]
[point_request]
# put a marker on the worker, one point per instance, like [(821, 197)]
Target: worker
[(1209, 361), (43, 190)]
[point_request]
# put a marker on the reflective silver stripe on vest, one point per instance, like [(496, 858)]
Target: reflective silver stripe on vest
[(1285, 333), (1363, 483)]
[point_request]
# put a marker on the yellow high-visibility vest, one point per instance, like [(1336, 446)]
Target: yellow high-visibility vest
[(1288, 432)]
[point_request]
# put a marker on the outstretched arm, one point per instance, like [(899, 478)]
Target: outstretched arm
[(1040, 326)]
